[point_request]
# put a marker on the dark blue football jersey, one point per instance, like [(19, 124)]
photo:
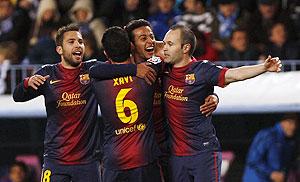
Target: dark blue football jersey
[(126, 105), (185, 90), (72, 133)]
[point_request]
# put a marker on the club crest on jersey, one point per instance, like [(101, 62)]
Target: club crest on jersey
[(154, 60), (190, 78), (84, 79)]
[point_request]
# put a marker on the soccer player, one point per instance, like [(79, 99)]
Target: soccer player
[(144, 48), (72, 136), (195, 149), (130, 150)]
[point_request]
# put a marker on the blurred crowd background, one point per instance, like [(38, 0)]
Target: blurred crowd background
[(227, 30)]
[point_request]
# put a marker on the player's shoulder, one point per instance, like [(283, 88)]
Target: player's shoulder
[(90, 62), (204, 64), (48, 67)]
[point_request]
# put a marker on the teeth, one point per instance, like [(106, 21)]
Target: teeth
[(149, 48)]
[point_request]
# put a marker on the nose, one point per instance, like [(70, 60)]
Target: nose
[(78, 44), (150, 40), (165, 47)]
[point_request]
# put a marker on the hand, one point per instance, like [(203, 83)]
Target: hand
[(146, 72), (36, 80), (210, 105), (277, 176), (272, 64)]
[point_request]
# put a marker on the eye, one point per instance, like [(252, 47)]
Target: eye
[(170, 44), (152, 37), (143, 38)]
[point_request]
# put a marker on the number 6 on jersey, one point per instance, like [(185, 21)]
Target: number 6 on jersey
[(121, 104)]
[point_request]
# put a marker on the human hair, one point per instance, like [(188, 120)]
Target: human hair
[(290, 116), (19, 164), (238, 29), (116, 44), (134, 24), (61, 31), (187, 36)]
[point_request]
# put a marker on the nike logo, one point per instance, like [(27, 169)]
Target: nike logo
[(54, 81)]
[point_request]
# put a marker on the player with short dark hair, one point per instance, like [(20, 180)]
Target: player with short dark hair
[(130, 149), (195, 149), (72, 136)]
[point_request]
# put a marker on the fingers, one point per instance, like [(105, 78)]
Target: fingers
[(268, 58), (146, 72), (151, 77), (207, 110), (209, 106), (37, 80), (148, 81)]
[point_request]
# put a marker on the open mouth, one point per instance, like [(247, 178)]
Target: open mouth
[(77, 53), (150, 49)]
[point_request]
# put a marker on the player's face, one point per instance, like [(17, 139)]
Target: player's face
[(72, 49), (173, 52), (144, 43)]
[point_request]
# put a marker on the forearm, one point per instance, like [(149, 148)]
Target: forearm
[(22, 94), (243, 73)]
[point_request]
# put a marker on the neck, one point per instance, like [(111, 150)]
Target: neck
[(127, 61), (138, 59), (185, 61)]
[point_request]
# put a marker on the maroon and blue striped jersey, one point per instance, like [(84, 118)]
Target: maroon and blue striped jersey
[(72, 133), (108, 71), (185, 90), (126, 105)]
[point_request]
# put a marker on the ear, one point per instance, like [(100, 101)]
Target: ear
[(186, 48), (59, 50), (132, 46)]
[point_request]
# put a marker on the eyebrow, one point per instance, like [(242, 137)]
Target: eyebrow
[(151, 34)]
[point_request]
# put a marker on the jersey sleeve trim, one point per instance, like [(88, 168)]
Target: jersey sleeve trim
[(26, 80), (221, 78)]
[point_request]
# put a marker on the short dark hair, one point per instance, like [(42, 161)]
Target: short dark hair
[(187, 36), (239, 29), (20, 164), (134, 24), (290, 116), (116, 44), (62, 30)]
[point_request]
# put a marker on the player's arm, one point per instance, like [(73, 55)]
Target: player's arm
[(246, 72), (109, 71), (29, 88), (210, 104)]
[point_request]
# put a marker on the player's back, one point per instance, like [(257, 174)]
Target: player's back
[(126, 106)]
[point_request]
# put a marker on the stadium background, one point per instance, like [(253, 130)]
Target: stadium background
[(22, 129)]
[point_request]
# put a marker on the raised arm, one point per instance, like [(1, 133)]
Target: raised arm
[(246, 72)]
